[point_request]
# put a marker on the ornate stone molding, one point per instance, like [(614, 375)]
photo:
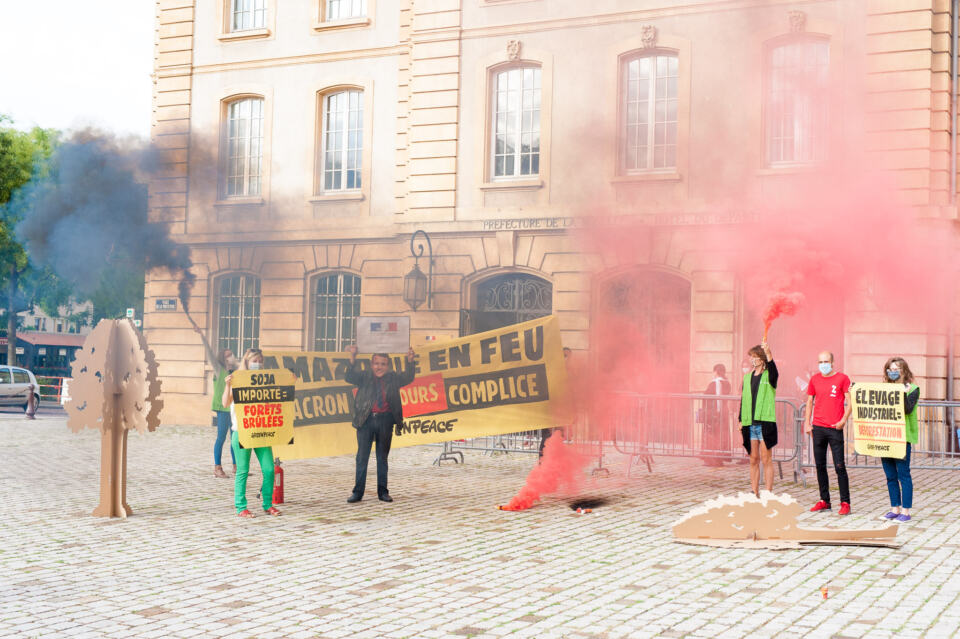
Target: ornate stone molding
[(648, 35), (513, 50), (798, 21)]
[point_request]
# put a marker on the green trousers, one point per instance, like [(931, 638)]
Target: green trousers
[(265, 457)]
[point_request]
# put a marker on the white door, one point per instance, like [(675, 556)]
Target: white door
[(6, 387), (21, 385)]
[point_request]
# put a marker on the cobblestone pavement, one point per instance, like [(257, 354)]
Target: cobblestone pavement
[(440, 561)]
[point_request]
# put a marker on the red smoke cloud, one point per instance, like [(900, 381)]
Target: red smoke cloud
[(560, 467), (781, 303)]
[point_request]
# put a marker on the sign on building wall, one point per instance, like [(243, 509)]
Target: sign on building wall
[(165, 304), (383, 334), (879, 420), (491, 383)]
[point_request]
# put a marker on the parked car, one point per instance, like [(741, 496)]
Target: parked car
[(15, 386)]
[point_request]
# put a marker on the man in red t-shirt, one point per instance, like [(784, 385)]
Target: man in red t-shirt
[(828, 407)]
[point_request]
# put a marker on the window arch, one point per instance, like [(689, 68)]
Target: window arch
[(238, 312), (507, 298), (341, 140), (795, 112), (243, 137), (649, 89), (335, 306), (515, 117)]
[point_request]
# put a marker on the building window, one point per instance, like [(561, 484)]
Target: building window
[(248, 14), (336, 306), (59, 327), (244, 147), (238, 313), (649, 129), (345, 9), (510, 298), (516, 122), (796, 113), (342, 140)]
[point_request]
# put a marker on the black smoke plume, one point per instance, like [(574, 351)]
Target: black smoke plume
[(88, 214)]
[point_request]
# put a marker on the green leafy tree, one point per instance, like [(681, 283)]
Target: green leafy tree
[(23, 157)]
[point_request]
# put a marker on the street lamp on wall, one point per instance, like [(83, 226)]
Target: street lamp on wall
[(417, 287)]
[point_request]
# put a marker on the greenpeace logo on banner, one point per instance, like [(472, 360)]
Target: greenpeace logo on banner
[(383, 327)]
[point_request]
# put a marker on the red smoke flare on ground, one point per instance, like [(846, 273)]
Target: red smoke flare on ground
[(780, 303), (561, 466)]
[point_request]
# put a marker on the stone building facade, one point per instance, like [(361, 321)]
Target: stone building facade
[(306, 141)]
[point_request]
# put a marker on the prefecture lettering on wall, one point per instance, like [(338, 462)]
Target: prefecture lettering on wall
[(879, 420), (264, 407), (503, 381)]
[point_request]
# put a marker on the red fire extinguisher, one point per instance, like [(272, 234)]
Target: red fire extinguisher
[(277, 482)]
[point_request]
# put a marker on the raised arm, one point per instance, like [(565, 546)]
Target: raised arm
[(409, 371), (227, 398), (212, 358), (353, 376)]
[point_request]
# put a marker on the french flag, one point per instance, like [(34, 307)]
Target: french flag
[(383, 327)]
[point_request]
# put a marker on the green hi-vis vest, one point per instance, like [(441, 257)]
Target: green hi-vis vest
[(219, 383), (766, 400), (913, 431)]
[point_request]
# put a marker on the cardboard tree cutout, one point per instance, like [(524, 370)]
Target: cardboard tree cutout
[(114, 388), (770, 521)]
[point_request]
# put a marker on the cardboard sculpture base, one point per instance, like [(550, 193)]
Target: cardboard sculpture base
[(768, 522)]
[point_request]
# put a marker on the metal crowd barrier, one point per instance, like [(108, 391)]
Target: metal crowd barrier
[(522, 442), (938, 446), (692, 425), (642, 426)]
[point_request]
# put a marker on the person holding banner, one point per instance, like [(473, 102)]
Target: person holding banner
[(758, 414), (899, 481), (377, 408), (222, 365), (828, 407), (252, 360)]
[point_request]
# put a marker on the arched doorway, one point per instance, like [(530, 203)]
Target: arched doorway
[(641, 330), (504, 299)]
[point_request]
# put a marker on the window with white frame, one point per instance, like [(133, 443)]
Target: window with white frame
[(342, 141), (248, 14), (515, 128), (244, 136), (345, 9), (336, 306), (796, 111), (649, 112), (238, 313)]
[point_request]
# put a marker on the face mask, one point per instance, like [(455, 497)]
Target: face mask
[(255, 366), (894, 375), (233, 363), (755, 362), (825, 368)]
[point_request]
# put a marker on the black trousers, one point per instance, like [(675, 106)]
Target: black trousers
[(822, 437), (378, 428)]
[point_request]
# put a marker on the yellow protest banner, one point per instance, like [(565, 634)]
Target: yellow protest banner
[(263, 403), (879, 422), (502, 381)]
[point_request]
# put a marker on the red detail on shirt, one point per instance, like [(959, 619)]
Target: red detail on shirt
[(828, 395), (380, 405)]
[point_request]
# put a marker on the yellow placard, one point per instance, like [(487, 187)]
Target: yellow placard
[(502, 381), (263, 405), (879, 420)]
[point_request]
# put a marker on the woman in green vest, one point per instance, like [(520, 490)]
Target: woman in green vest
[(222, 366), (899, 481), (758, 414)]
